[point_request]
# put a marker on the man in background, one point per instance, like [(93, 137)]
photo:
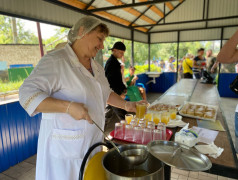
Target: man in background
[(198, 62), (113, 73), (210, 61)]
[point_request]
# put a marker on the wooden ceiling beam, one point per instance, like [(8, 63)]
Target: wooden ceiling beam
[(132, 11), (75, 3), (169, 5), (80, 5), (89, 4), (154, 9), (119, 20), (157, 11), (113, 18), (142, 29), (131, 5), (138, 17), (179, 4)]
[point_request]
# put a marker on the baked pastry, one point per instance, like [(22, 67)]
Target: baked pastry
[(209, 115), (198, 113), (185, 108), (210, 112), (192, 107), (190, 112), (200, 109), (163, 107), (173, 107), (209, 109), (184, 111)]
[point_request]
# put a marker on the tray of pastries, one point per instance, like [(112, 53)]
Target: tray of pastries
[(163, 107), (199, 111)]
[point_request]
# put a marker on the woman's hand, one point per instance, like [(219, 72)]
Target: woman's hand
[(78, 111), (135, 78), (133, 81), (131, 106)]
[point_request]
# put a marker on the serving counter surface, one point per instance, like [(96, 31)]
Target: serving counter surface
[(194, 91)]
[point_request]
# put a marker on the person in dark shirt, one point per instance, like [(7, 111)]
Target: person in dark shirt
[(210, 61), (113, 68), (114, 76), (198, 62)]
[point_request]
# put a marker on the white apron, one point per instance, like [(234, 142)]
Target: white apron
[(63, 141), (67, 140)]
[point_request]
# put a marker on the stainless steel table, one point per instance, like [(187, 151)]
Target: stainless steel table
[(194, 91)]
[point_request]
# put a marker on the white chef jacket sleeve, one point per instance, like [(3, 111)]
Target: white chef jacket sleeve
[(42, 82)]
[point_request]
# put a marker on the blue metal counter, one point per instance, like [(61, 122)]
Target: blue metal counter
[(18, 134)]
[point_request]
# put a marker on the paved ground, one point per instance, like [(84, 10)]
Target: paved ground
[(26, 169)]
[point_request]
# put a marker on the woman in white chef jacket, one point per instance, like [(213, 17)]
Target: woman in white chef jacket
[(70, 89)]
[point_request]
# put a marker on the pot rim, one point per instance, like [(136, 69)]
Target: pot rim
[(133, 145)]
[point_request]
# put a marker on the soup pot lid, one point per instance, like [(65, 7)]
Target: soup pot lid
[(179, 156)]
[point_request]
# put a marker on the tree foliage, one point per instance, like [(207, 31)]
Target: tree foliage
[(145, 68), (23, 36), (58, 37)]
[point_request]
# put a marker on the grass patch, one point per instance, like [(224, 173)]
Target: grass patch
[(9, 86)]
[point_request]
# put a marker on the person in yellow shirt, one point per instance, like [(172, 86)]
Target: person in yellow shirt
[(187, 67)]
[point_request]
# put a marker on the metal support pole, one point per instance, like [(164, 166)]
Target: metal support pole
[(132, 47), (203, 9), (40, 39), (207, 15), (178, 40), (149, 52), (14, 30), (219, 67)]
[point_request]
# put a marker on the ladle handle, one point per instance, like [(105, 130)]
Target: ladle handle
[(100, 129), (107, 137)]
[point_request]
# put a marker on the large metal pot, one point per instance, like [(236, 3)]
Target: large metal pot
[(171, 153), (115, 165), (117, 168)]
